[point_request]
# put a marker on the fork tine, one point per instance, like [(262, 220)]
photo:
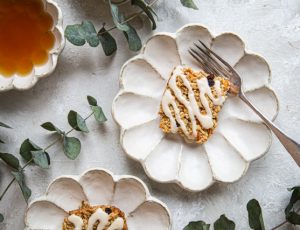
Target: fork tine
[(219, 70), (204, 66), (216, 65), (217, 56), (206, 62), (207, 67), (198, 60)]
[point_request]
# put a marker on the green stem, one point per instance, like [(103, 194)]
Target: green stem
[(6, 189), (119, 2), (128, 19), (45, 149), (91, 114), (284, 222), (279, 225)]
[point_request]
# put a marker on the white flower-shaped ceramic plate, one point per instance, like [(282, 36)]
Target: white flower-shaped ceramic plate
[(26, 82), (98, 187), (240, 137)]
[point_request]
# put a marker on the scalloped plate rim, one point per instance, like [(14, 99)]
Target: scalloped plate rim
[(115, 178), (54, 55), (213, 36)]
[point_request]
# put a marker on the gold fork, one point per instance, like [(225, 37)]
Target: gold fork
[(212, 63)]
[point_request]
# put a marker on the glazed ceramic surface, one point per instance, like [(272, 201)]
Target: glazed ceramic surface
[(98, 187), (240, 136), (26, 82)]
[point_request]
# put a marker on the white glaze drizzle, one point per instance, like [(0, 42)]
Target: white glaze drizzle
[(117, 224), (206, 120), (100, 216), (77, 221)]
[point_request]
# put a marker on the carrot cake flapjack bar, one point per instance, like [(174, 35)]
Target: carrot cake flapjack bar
[(191, 103)]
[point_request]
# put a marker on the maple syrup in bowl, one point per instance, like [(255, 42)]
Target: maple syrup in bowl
[(31, 38)]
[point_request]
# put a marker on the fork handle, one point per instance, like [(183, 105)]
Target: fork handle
[(290, 145)]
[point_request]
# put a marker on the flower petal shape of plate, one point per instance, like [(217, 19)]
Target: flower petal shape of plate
[(98, 187), (240, 137)]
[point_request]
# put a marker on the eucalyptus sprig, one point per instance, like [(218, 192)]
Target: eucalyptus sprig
[(6, 157), (189, 4), (32, 154), (255, 216), (3, 125), (80, 34)]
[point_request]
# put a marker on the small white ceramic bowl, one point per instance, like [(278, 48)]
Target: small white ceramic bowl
[(26, 82), (240, 137), (98, 187)]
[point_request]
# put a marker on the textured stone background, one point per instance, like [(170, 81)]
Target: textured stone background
[(268, 27)]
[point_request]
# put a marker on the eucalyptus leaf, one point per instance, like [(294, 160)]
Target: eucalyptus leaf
[(255, 217), (26, 147), (77, 122), (10, 160), (153, 12), (130, 33), (90, 33), (118, 18), (291, 215), (197, 225), (134, 41), (108, 43), (75, 35), (4, 125), (223, 223), (20, 178), (293, 188), (189, 4), (41, 158), (147, 9), (1, 218), (50, 127), (92, 101), (99, 114), (72, 147), (78, 34)]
